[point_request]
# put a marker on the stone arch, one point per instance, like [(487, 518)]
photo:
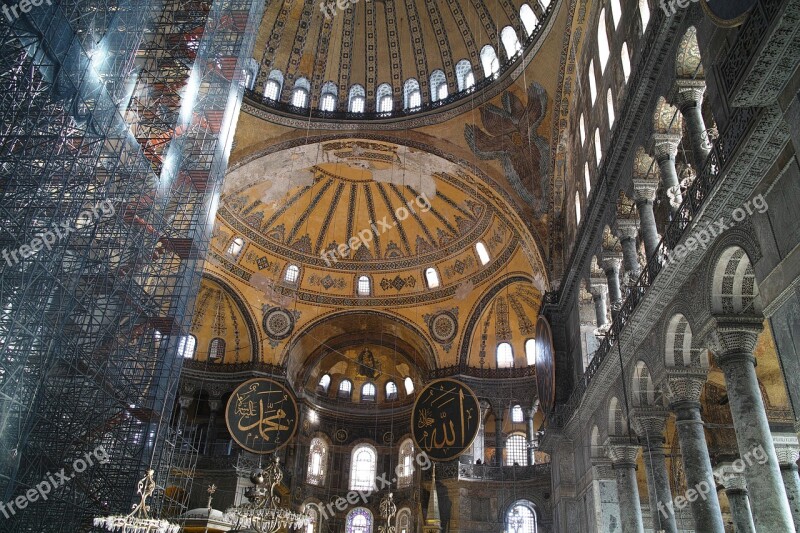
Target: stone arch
[(688, 63), (733, 289), (617, 424), (678, 342), (643, 391)]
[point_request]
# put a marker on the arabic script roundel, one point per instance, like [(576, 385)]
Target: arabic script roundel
[(261, 415), (445, 419)]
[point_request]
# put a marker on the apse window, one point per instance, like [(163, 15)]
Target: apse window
[(186, 346), (328, 102), (511, 42), (324, 383), (409, 385), (385, 104), (357, 104), (384, 98), (464, 75), (521, 518), (432, 278), (505, 355), (438, 86), (483, 253), (299, 98), (235, 247), (517, 416), (529, 19), (530, 351), (272, 89), (391, 390), (292, 274), (516, 450), (345, 389), (368, 392), (414, 100), (216, 350), (364, 288), (362, 471), (489, 61)]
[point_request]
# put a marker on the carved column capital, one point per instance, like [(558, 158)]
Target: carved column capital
[(621, 451), (185, 401), (610, 261), (734, 338), (684, 384), (214, 405), (787, 449), (602, 468), (689, 93), (649, 423), (598, 288), (626, 229), (644, 190), (730, 477), (665, 146)]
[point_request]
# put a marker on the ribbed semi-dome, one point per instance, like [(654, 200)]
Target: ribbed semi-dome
[(378, 59)]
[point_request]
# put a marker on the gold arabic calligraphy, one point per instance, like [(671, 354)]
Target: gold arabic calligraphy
[(269, 418), (445, 436)]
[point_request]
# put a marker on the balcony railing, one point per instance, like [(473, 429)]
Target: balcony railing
[(488, 373), (398, 111)]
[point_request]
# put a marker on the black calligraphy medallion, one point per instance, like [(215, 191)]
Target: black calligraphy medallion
[(261, 415), (445, 419)]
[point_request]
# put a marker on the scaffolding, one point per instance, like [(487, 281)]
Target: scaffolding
[(116, 122)]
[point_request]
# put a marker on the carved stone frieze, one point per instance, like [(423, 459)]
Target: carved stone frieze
[(621, 451)]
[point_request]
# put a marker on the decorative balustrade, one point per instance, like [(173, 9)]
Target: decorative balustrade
[(219, 368), (502, 473)]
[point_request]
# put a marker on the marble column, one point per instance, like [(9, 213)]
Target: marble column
[(649, 423), (644, 196), (689, 99), (736, 491), (786, 447), (499, 444), (684, 386), (599, 292), (530, 434), (666, 149), (605, 511), (623, 459), (627, 231), (611, 262), (736, 338), (213, 406)]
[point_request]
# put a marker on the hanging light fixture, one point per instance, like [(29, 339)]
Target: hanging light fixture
[(262, 513), (139, 520)]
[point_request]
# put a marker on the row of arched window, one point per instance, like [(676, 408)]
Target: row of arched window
[(187, 347), (368, 389), (363, 284), (604, 56), (505, 354), (363, 464), (412, 96)]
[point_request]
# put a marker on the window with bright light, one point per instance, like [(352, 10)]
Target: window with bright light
[(362, 468), (345, 389), (359, 521), (384, 98), (327, 102), (406, 462), (545, 4), (391, 390), (464, 75), (521, 518), (187, 346), (602, 41), (216, 350), (438, 86), (505, 355), (626, 62), (489, 61), (368, 392), (404, 520), (432, 277), (412, 95), (517, 416), (299, 97), (587, 179), (516, 450), (483, 253), (530, 351), (612, 117), (592, 82), (577, 209), (616, 12), (311, 527), (317, 461), (357, 100), (272, 89), (598, 147), (364, 288), (324, 382), (644, 13), (510, 41), (292, 274), (408, 383), (529, 19), (236, 246), (583, 130)]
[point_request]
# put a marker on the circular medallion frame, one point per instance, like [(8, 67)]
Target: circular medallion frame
[(242, 406), (278, 330), (422, 412), (443, 327)]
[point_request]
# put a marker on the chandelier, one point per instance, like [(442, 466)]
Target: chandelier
[(262, 513), (139, 520)]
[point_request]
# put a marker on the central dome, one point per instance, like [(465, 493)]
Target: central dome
[(378, 59)]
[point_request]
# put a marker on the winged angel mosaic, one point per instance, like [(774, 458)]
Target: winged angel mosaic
[(511, 138)]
